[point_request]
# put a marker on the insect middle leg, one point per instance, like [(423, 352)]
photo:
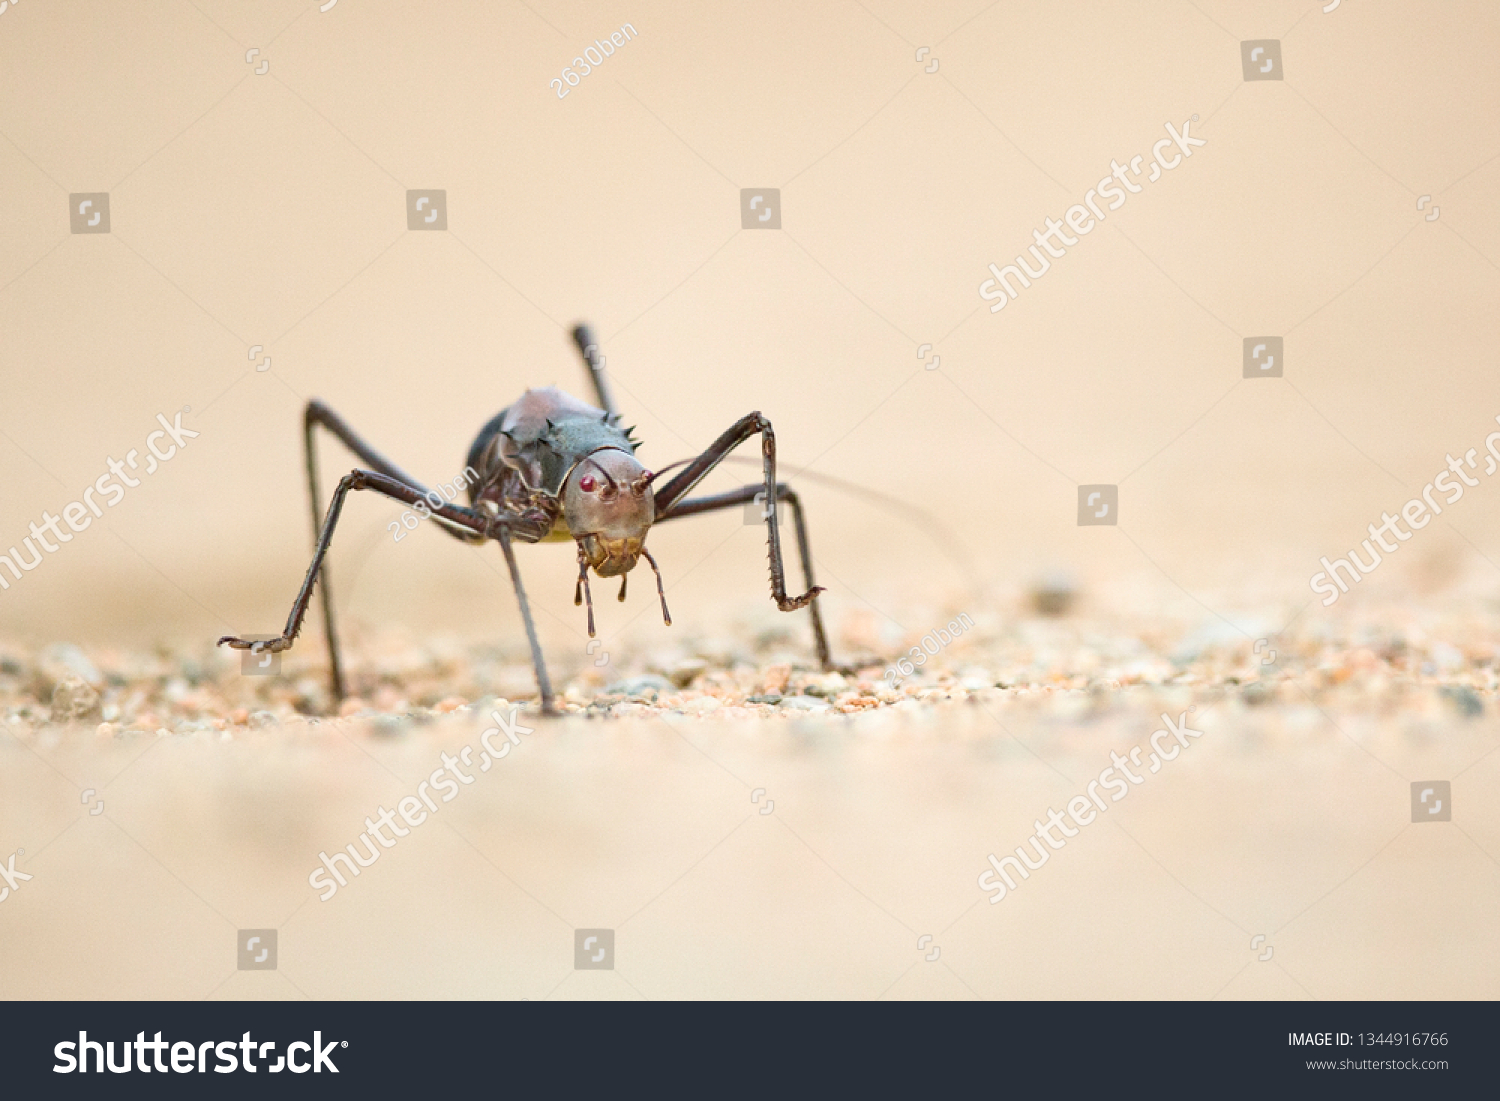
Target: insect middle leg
[(745, 495)]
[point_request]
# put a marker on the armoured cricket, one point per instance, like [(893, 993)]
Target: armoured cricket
[(552, 468)]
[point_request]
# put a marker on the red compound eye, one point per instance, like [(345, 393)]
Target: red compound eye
[(587, 483)]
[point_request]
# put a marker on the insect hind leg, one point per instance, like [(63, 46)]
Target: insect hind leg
[(588, 347)]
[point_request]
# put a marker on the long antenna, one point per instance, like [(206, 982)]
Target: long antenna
[(944, 538)]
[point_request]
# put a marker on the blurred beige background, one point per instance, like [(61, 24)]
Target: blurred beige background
[(269, 210)]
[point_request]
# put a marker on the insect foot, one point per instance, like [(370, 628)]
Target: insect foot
[(261, 655), (272, 645), (792, 603)]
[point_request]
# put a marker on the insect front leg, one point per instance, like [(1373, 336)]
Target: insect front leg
[(458, 516), (670, 497), (743, 496)]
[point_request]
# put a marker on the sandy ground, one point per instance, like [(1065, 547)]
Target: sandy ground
[(750, 827)]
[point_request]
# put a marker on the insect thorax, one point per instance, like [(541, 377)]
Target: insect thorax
[(526, 452)]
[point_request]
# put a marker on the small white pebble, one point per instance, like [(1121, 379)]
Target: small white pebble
[(803, 703)]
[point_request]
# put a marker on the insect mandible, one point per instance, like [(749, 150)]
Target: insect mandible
[(550, 468)]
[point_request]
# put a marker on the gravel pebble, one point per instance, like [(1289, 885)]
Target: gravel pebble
[(829, 684), (685, 672), (640, 686), (63, 659), (804, 703), (1433, 665), (1465, 701), (1054, 593), (73, 699)]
